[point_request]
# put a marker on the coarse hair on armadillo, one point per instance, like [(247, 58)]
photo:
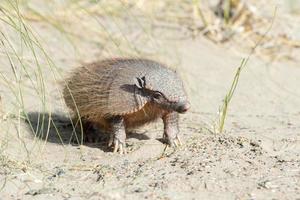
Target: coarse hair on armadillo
[(110, 87)]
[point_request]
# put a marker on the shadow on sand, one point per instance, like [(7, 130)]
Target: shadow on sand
[(58, 128)]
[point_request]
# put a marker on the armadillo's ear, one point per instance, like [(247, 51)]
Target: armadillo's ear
[(140, 82), (144, 81)]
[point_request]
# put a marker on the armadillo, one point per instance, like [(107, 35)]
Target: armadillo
[(124, 93)]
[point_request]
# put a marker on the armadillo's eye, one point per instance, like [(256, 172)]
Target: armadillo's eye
[(157, 95)]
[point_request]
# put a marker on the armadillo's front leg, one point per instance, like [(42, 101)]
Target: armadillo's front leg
[(171, 129), (118, 136)]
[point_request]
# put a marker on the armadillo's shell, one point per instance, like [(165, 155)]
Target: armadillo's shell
[(108, 88)]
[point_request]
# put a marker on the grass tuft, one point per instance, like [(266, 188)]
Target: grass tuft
[(223, 110)]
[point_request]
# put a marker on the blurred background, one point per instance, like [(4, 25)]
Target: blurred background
[(50, 37)]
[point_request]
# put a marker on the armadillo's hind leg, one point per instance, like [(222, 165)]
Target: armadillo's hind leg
[(171, 129), (118, 136), (91, 132), (87, 132)]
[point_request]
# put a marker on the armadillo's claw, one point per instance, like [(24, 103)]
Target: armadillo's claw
[(119, 146), (179, 140), (116, 146), (176, 142), (111, 141), (122, 149)]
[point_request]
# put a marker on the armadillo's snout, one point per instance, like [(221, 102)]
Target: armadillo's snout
[(182, 107)]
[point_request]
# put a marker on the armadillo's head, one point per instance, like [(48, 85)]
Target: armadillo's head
[(165, 89)]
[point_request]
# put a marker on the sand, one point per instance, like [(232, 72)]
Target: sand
[(257, 156)]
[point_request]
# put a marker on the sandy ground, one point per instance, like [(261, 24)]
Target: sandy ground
[(258, 156)]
